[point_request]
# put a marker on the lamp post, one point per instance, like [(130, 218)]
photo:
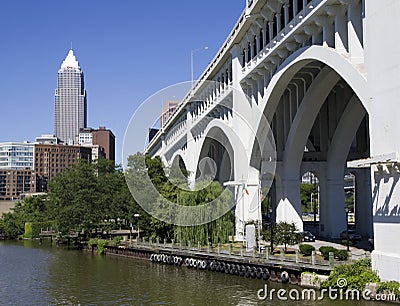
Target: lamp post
[(191, 61), (347, 228), (210, 226), (138, 230), (271, 229), (314, 208)]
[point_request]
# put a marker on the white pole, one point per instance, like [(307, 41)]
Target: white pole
[(192, 64), (243, 210)]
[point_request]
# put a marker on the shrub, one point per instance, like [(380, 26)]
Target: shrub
[(92, 242), (357, 275), (341, 254), (33, 229), (101, 246), (117, 240), (306, 249), (325, 250), (389, 287)]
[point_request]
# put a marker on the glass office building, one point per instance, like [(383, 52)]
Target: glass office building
[(16, 155), (70, 107)]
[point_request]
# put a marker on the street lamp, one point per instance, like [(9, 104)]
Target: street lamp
[(191, 61), (271, 228), (138, 230), (314, 207), (347, 228)]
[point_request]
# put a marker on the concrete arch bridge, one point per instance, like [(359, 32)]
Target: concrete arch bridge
[(324, 74)]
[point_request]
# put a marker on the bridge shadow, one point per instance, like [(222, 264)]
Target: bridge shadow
[(385, 214)]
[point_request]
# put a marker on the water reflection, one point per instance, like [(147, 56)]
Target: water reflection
[(41, 275)]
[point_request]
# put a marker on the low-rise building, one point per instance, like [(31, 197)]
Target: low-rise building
[(48, 139), (52, 159), (14, 182), (16, 155), (101, 140)]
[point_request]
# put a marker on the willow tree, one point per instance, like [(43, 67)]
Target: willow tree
[(212, 229)]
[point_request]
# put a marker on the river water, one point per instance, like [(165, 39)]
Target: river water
[(46, 275)]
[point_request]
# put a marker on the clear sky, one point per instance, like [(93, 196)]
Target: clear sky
[(128, 50)]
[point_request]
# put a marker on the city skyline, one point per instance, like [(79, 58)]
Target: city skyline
[(125, 54)]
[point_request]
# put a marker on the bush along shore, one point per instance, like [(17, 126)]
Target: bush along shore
[(354, 281)]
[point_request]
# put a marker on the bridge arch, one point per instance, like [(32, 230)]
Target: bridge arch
[(177, 157), (330, 83), (298, 60), (217, 145)]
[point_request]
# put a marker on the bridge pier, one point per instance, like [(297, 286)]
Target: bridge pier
[(332, 208), (363, 207), (288, 207)]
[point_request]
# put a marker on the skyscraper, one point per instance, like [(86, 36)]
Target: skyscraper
[(70, 108)]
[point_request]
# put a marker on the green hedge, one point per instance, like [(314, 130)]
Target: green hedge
[(341, 254), (325, 250), (32, 229), (389, 287), (100, 244), (306, 249), (357, 275)]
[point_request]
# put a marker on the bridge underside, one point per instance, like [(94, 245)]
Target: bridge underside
[(319, 124), (320, 91)]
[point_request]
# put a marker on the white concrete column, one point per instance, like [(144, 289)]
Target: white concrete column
[(286, 10), (333, 218), (246, 57), (314, 31), (381, 23), (258, 43), (271, 30), (341, 36), (363, 207), (288, 206), (278, 23), (328, 33), (251, 46), (355, 31), (295, 8), (191, 150), (386, 216), (264, 34)]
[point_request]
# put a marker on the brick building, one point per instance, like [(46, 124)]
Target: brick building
[(105, 139), (14, 182), (51, 159)]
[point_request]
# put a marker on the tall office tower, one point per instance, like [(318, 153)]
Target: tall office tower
[(70, 108)]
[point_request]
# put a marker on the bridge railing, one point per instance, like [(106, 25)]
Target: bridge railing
[(274, 43)]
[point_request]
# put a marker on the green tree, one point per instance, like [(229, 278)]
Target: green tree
[(286, 234), (214, 231), (92, 198), (305, 195), (11, 225), (146, 177)]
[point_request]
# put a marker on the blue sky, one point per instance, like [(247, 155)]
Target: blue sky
[(128, 50)]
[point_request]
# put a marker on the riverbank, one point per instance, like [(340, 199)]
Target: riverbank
[(262, 265), (318, 277)]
